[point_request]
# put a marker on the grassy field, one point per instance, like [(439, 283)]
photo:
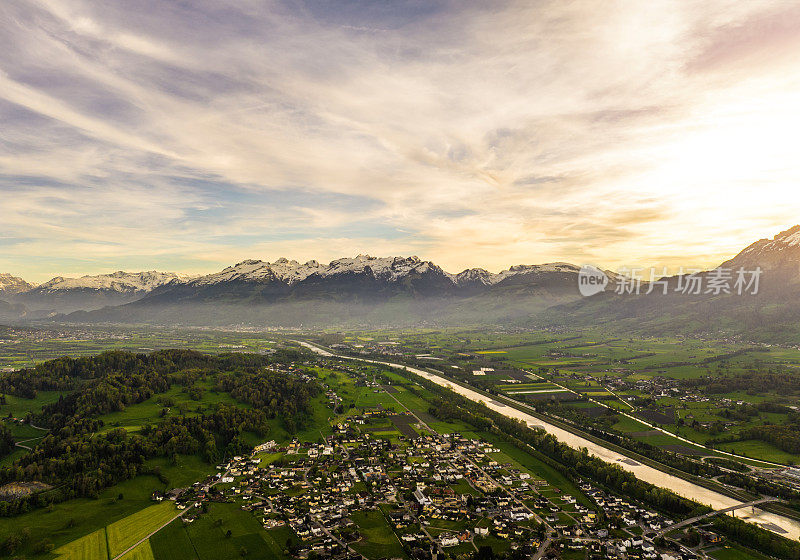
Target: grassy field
[(78, 527), (71, 520), (141, 552), (91, 547), (205, 538), (149, 411), (759, 450), (24, 347), (378, 540), (173, 543), (128, 531), (733, 552)]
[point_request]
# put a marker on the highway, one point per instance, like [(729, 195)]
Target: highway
[(773, 522)]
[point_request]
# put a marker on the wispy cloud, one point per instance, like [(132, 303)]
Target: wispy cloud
[(187, 136)]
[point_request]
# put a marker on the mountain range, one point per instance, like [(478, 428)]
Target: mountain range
[(405, 291)]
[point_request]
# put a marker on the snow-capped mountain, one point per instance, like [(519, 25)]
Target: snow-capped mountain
[(292, 272), (405, 291), (64, 295), (480, 276), (388, 269), (120, 281), (360, 280), (364, 289), (13, 285), (778, 257), (359, 276)]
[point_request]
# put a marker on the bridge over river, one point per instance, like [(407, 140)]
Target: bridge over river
[(720, 502), (687, 522)]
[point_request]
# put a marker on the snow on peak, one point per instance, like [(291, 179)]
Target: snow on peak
[(13, 284), (291, 271), (488, 278), (387, 268), (384, 268), (782, 241), (790, 237), (261, 271), (119, 281)]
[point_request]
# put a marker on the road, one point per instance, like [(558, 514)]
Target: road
[(510, 494), (711, 451), (20, 443), (687, 522), (177, 516), (140, 541), (773, 522)]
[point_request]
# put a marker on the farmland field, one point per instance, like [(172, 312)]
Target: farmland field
[(91, 547), (379, 541), (141, 552), (126, 532)]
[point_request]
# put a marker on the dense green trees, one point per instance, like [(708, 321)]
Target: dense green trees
[(79, 458), (6, 440), (782, 436), (777, 379)]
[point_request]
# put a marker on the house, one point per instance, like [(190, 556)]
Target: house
[(448, 540)]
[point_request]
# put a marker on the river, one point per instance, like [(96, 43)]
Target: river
[(771, 521)]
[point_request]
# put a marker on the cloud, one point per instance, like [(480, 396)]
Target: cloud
[(525, 132)]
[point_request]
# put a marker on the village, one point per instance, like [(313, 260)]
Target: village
[(440, 495)]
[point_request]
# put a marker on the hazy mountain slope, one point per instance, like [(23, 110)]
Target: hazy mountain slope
[(11, 312), (405, 291), (772, 314), (64, 295), (353, 291), (10, 285)]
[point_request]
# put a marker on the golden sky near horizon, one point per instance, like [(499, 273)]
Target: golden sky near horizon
[(145, 135)]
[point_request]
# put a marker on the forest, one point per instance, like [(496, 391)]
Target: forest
[(79, 458)]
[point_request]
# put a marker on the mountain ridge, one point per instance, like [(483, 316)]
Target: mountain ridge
[(407, 291)]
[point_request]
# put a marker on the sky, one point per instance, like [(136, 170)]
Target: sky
[(188, 136)]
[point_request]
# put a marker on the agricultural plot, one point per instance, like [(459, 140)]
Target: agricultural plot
[(661, 416), (524, 387), (378, 540), (172, 543), (27, 347), (207, 539), (555, 395), (590, 409), (141, 552), (91, 547), (403, 423), (126, 532), (74, 519)]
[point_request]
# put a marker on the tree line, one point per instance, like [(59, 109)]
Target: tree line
[(578, 463), (79, 458)]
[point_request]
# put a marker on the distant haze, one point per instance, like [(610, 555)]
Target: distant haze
[(145, 135)]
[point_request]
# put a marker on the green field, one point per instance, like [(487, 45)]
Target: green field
[(128, 531), (206, 539), (730, 552), (141, 552), (173, 543), (93, 528), (91, 547), (378, 540)]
